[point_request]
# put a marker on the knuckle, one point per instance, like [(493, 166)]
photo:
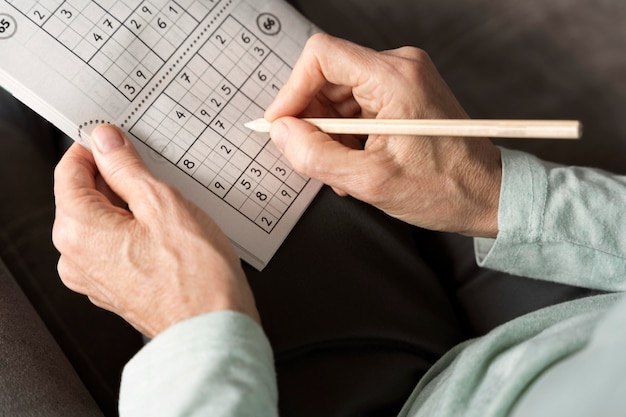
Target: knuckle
[(411, 62), (410, 69), (128, 168), (62, 238), (418, 54), (317, 41), (68, 275)]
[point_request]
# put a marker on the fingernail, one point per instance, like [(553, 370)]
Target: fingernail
[(279, 133), (107, 138)]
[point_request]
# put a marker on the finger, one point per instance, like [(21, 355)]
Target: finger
[(325, 59), (104, 188), (76, 171), (72, 276), (322, 107), (120, 165), (341, 99), (314, 153), (410, 53), (79, 202)]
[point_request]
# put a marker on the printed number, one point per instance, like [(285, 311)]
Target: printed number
[(97, 37), (130, 88), (219, 186), (245, 38), (4, 25), (219, 124), (226, 89), (220, 39), (161, 23), (189, 164), (259, 51), (267, 221), (285, 194), (39, 15), (217, 103), (261, 196), (108, 23), (205, 113), (146, 10), (185, 77), (140, 74), (256, 172), (269, 24), (226, 149), (281, 171), (246, 184), (173, 10), (67, 13), (136, 24), (180, 114), (262, 76)]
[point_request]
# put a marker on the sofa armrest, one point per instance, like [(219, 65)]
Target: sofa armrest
[(35, 377)]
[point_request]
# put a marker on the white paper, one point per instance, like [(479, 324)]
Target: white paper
[(180, 77)]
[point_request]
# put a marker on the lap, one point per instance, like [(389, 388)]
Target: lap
[(96, 342), (354, 314)]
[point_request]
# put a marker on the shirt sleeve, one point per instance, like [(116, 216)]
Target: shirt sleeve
[(562, 224), (217, 364)]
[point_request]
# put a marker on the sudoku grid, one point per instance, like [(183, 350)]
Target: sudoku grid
[(196, 121), (125, 41)]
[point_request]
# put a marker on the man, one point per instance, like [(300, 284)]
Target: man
[(176, 277)]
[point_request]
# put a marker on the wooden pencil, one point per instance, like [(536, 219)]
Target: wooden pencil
[(529, 129)]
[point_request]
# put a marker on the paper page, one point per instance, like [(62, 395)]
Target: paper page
[(180, 77)]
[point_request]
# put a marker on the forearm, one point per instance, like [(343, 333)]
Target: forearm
[(218, 364), (563, 224)]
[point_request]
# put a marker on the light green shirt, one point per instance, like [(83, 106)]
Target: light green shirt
[(556, 223)]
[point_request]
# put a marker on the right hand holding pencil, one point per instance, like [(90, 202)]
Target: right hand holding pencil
[(447, 184)]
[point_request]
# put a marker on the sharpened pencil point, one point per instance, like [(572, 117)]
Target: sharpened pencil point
[(259, 125)]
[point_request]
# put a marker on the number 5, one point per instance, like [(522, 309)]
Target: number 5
[(4, 25)]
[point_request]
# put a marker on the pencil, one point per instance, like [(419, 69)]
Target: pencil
[(529, 129)]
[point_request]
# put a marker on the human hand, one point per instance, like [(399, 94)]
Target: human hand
[(448, 184), (159, 261)]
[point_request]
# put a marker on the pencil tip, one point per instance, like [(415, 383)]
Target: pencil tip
[(258, 125)]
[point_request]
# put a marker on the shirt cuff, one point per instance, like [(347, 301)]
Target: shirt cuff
[(217, 364), (523, 196)]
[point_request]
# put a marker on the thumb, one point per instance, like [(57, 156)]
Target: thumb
[(314, 153), (118, 162)]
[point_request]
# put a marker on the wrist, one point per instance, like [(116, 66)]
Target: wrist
[(229, 292), (478, 186)]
